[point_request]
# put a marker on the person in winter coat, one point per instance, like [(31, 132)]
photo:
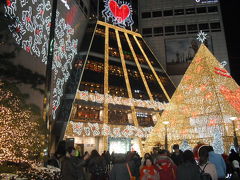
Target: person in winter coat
[(97, 166), (219, 163), (176, 156), (188, 170), (148, 171), (165, 166), (119, 170), (72, 167), (205, 165)]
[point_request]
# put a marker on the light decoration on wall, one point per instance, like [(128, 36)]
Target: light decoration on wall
[(100, 98), (197, 113), (97, 129), (119, 13), (31, 30)]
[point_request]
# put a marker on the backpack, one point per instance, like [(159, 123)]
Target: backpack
[(203, 175)]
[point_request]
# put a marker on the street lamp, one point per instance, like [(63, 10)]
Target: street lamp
[(166, 139), (235, 139)]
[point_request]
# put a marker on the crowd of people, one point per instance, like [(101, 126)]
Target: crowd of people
[(157, 165)]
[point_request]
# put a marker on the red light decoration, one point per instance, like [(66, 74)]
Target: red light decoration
[(203, 87), (233, 97), (222, 72), (121, 13), (198, 60), (187, 77), (209, 95), (8, 2), (199, 69), (212, 122)]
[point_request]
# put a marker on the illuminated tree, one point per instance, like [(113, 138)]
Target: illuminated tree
[(21, 130), (204, 101)]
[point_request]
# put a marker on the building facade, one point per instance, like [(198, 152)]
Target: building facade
[(170, 27)]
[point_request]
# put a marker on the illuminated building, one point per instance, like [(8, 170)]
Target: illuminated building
[(122, 91)]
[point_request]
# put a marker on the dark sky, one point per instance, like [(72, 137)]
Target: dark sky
[(231, 21)]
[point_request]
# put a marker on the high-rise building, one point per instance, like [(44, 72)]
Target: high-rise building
[(123, 88), (170, 27)]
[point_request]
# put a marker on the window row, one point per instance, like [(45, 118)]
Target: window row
[(181, 29), (177, 12)]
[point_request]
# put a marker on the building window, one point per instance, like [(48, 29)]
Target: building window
[(204, 27), (181, 29), (147, 31), (169, 30), (168, 12), (201, 10), (192, 28), (178, 12), (212, 9), (190, 11), (146, 15), (157, 13), (158, 31), (215, 27)]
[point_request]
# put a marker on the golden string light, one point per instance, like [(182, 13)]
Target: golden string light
[(20, 137), (201, 105)]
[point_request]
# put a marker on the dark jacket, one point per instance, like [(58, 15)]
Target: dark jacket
[(177, 158), (119, 172), (72, 168), (188, 171)]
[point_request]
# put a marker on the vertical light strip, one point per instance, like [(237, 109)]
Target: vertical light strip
[(126, 77), (151, 67), (105, 104), (134, 113), (139, 67)]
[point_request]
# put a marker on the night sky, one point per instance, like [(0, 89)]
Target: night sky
[(231, 20)]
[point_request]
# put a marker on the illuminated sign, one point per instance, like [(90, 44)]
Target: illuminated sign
[(206, 1), (119, 13)]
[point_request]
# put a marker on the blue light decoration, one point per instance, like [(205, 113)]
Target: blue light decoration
[(31, 29), (118, 13)]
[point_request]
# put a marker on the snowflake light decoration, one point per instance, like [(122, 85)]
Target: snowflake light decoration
[(119, 14), (202, 36)]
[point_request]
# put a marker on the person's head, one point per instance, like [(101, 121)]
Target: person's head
[(163, 152), (188, 157), (94, 153), (203, 155), (155, 150), (71, 151), (210, 148), (147, 155), (176, 148), (148, 162)]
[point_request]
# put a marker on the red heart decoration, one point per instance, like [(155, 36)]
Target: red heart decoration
[(120, 13), (233, 97)]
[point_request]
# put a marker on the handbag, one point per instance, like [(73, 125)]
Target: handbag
[(129, 171)]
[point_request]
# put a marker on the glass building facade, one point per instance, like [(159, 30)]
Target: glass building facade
[(123, 88)]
